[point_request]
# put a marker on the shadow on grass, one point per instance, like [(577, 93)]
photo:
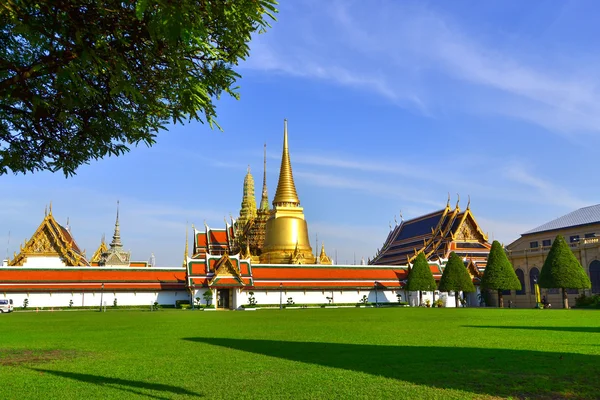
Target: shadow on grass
[(123, 384), (497, 372), (583, 329)]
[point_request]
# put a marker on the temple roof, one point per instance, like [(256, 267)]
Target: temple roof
[(582, 216), (51, 240), (435, 234)]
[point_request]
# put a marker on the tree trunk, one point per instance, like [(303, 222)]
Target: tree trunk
[(456, 298), (565, 299), (500, 299), (420, 298)]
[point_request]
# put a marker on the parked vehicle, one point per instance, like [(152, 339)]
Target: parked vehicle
[(6, 305)]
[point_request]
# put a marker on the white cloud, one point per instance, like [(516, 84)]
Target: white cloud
[(395, 49)]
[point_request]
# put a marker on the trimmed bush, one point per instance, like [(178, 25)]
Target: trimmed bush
[(456, 278), (180, 303), (499, 273), (420, 278), (562, 270)]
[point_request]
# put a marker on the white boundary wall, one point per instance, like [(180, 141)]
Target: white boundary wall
[(353, 296), (90, 299)]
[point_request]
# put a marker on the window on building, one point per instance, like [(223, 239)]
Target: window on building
[(547, 243), (590, 235), (574, 238), (533, 245), (521, 277), (534, 274), (595, 276), (506, 292), (553, 291), (572, 291)]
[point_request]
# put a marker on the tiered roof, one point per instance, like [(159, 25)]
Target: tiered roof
[(436, 234), (91, 279), (51, 240)]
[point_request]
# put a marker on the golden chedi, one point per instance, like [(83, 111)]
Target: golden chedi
[(286, 236)]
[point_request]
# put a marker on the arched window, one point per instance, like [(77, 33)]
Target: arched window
[(595, 276), (521, 277), (534, 275)]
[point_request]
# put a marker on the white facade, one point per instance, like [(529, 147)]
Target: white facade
[(90, 299)]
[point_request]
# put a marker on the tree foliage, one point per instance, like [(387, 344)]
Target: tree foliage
[(420, 277), (83, 79), (562, 269), (499, 273), (455, 277)]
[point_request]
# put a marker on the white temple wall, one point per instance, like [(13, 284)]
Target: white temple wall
[(316, 297), (89, 299), (43, 262)]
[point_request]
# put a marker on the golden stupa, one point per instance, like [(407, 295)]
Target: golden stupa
[(286, 236)]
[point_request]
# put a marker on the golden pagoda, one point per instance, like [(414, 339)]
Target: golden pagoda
[(286, 236), (256, 233)]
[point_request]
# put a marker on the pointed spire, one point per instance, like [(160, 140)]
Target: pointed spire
[(187, 250), (50, 210), (248, 210), (264, 201), (469, 202), (286, 190), (116, 242)]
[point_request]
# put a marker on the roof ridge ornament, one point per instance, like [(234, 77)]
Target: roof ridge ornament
[(469, 202)]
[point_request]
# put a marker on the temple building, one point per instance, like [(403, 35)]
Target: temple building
[(51, 271), (264, 255), (581, 230), (437, 235), (50, 245)]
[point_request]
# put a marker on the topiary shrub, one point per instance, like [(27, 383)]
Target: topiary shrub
[(420, 278), (456, 278), (499, 273), (562, 270)]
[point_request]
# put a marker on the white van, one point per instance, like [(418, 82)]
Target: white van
[(6, 305)]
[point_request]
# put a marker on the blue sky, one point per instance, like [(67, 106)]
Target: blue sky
[(391, 106)]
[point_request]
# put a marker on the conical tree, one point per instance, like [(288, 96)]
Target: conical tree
[(562, 270), (499, 273), (420, 277), (456, 278)]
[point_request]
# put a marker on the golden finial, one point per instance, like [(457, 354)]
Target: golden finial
[(401, 217), (264, 201), (395, 221), (46, 211), (457, 200), (469, 202), (187, 251), (448, 202), (50, 209), (286, 190)]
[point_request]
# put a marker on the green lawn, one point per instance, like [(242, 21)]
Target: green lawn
[(411, 353)]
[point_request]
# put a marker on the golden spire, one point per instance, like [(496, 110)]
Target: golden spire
[(264, 201), (286, 190), (187, 251), (248, 210)]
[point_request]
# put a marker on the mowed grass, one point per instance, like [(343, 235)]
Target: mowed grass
[(412, 353)]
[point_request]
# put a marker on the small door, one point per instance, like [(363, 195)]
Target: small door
[(223, 298)]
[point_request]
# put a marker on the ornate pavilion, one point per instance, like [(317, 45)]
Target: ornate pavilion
[(265, 251)]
